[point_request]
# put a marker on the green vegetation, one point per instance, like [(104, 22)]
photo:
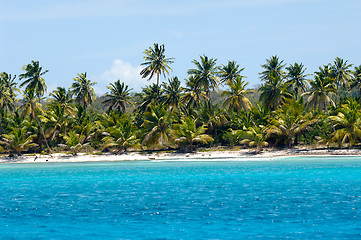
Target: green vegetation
[(215, 107)]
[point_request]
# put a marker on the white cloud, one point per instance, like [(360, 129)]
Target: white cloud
[(123, 71)]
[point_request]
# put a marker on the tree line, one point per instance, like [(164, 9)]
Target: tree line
[(290, 108)]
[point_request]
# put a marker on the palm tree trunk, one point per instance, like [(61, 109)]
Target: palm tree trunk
[(333, 127), (41, 129), (158, 85)]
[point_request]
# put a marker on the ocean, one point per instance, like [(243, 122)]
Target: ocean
[(281, 198)]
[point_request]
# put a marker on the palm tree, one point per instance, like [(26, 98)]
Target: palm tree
[(322, 87), (194, 94), (61, 97), (172, 92), (342, 72), (297, 78), (187, 133), (273, 67), (229, 72), (236, 95), (149, 95), (83, 91), (155, 63), (356, 80), (74, 141), (274, 91), (119, 96), (7, 81), (255, 138), (7, 96), (18, 140), (156, 126), (348, 124), (122, 135), (33, 78), (290, 121), (205, 74), (57, 118), (31, 106)]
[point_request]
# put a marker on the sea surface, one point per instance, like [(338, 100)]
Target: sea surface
[(288, 198)]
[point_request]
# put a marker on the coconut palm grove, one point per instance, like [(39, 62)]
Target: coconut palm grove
[(214, 107)]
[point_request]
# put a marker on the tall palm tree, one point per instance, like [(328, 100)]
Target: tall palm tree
[(172, 92), (273, 67), (236, 95), (194, 93), (227, 73), (8, 81), (31, 105), (155, 63), (297, 78), (356, 80), (318, 96), (7, 96), (33, 78), (118, 97), (83, 91), (149, 95), (205, 74), (274, 91), (342, 72)]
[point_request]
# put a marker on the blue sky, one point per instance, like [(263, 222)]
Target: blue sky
[(106, 38)]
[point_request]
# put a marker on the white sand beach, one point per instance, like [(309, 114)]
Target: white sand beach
[(243, 154)]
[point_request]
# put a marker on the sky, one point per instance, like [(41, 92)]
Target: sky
[(107, 38)]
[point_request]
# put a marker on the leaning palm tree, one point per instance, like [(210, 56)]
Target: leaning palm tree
[(205, 74), (33, 78), (273, 67), (155, 63), (227, 73), (118, 97), (31, 105), (83, 91), (236, 95), (297, 78)]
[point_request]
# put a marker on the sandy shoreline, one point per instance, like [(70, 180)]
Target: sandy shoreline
[(243, 154)]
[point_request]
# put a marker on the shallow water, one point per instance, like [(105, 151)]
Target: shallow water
[(297, 198)]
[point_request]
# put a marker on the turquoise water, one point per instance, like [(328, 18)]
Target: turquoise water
[(309, 198)]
